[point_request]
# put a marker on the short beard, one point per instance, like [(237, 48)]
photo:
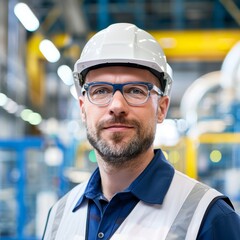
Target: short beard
[(120, 153)]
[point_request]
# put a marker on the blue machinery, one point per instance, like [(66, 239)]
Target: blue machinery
[(22, 171)]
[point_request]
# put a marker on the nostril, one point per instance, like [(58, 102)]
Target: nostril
[(117, 113)]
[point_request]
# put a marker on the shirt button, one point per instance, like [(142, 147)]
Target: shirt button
[(100, 235)]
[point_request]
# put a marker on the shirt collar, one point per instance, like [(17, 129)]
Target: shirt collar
[(152, 184), (92, 190), (158, 174)]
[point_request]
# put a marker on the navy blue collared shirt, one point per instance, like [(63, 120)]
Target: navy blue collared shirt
[(151, 186)]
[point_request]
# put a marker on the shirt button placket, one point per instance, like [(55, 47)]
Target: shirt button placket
[(100, 235)]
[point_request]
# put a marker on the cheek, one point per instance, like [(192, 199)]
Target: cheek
[(92, 117), (148, 116)]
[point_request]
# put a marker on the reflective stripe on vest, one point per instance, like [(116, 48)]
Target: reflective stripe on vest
[(179, 217), (182, 221), (58, 216)]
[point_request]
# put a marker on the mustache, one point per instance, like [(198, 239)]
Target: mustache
[(118, 120)]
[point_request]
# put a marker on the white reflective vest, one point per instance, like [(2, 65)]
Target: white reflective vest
[(178, 218)]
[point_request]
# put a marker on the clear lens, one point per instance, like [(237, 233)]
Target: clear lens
[(102, 93), (135, 93)]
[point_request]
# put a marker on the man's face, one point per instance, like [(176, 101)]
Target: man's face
[(120, 132)]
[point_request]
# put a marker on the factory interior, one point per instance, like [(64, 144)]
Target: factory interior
[(44, 151)]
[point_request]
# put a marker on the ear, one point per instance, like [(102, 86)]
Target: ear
[(81, 103), (163, 104)]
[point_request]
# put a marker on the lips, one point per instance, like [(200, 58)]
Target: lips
[(117, 127), (118, 124)]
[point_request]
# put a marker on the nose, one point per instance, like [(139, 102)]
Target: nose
[(118, 105)]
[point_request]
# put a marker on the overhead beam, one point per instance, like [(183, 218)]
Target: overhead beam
[(199, 45)]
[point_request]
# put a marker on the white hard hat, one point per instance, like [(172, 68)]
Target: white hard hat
[(124, 44)]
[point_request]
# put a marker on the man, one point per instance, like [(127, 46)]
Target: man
[(124, 82)]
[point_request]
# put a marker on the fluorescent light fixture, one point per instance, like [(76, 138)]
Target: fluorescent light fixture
[(35, 118), (49, 51), (26, 17), (25, 114), (65, 73), (74, 92), (32, 117), (19, 110), (3, 99), (11, 106), (215, 156), (53, 156)]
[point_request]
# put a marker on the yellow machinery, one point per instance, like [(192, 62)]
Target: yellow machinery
[(185, 156), (213, 158)]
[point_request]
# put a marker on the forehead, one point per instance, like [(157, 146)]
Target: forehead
[(121, 74)]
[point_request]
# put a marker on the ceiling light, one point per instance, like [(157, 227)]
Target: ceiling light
[(53, 156), (26, 17), (25, 114), (65, 73), (215, 156), (35, 118), (11, 106), (49, 51), (3, 99), (73, 92), (19, 110)]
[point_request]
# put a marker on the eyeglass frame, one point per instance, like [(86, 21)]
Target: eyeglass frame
[(119, 87)]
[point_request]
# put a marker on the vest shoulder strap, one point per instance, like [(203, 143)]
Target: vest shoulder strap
[(58, 216), (188, 220), (58, 210)]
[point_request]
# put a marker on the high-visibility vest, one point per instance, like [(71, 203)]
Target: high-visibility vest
[(178, 218)]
